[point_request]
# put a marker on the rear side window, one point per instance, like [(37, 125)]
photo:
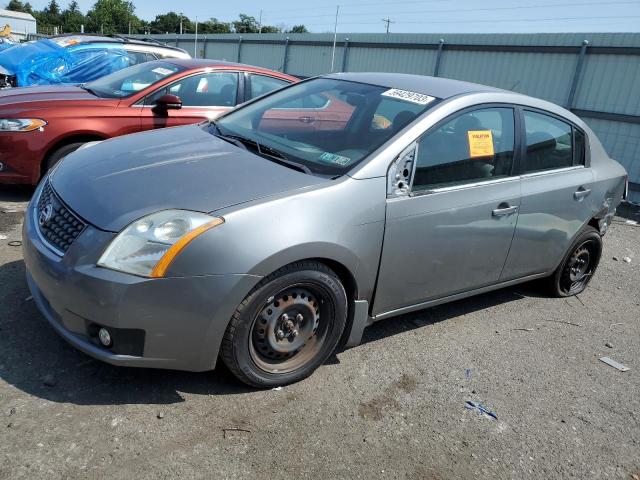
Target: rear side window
[(549, 143), (261, 84), (139, 57), (471, 147)]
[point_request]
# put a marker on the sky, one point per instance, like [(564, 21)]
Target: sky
[(426, 16)]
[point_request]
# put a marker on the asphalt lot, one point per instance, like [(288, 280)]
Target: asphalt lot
[(393, 407)]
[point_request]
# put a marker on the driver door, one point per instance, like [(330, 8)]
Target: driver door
[(204, 96), (453, 231)]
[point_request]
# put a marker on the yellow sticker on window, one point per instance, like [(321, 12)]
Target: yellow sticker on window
[(480, 143)]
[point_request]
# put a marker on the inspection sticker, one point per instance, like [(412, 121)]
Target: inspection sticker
[(480, 143), (413, 97), (333, 158), (162, 71)]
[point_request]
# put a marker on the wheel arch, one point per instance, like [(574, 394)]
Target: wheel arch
[(348, 280), (61, 142)]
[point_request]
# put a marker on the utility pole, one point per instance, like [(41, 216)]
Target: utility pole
[(335, 37), (195, 42), (387, 21), (180, 23), (129, 27), (260, 22)]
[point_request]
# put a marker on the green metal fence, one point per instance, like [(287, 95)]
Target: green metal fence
[(596, 75)]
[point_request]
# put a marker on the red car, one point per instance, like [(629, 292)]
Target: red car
[(41, 125)]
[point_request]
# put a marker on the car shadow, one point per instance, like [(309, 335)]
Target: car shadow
[(35, 360), (430, 316), (15, 193), (628, 211)]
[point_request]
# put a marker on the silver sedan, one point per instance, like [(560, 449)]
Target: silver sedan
[(279, 232)]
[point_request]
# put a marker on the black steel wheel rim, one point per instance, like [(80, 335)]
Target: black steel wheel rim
[(579, 267), (291, 328)]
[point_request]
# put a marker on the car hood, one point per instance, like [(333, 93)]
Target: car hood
[(45, 93), (117, 181)]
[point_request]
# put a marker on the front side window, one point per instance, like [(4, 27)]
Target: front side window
[(217, 89), (549, 143), (323, 124), (471, 147), (125, 83), (261, 85)]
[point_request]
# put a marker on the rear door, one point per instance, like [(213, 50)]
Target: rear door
[(452, 233), (204, 96), (556, 194)]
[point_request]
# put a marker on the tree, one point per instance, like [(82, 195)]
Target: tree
[(49, 17), (213, 25), (246, 24), (270, 29), (18, 6), (112, 16), (72, 18), (170, 23), (298, 29)]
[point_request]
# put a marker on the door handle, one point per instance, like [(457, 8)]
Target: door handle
[(502, 211), (581, 193), (307, 119)]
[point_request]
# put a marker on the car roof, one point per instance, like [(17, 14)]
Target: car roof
[(85, 38), (434, 86), (204, 62)]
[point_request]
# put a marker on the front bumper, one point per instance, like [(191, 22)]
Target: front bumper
[(183, 318)]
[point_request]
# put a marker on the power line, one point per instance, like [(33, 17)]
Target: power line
[(493, 20), (519, 7)]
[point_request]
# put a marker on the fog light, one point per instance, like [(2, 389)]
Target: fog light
[(105, 337)]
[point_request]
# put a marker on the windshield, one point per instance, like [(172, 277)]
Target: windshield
[(125, 83), (325, 125)]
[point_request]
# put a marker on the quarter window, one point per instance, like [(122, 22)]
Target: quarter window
[(549, 143), (206, 90), (579, 146), (471, 147), (261, 84)]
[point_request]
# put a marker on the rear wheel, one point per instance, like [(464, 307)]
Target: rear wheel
[(579, 264), (59, 154), (287, 326)]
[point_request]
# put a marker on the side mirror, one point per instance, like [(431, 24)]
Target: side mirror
[(167, 102)]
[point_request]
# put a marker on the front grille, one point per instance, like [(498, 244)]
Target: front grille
[(57, 224)]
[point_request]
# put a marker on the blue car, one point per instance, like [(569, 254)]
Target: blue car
[(73, 59)]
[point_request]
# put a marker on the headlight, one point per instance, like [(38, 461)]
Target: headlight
[(20, 124), (148, 246)]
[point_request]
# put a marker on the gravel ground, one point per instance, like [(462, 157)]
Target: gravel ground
[(394, 407)]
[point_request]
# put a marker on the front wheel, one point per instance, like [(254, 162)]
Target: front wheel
[(287, 326), (579, 264), (59, 154)]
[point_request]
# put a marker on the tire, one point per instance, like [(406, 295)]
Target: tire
[(578, 265), (287, 326), (59, 154)]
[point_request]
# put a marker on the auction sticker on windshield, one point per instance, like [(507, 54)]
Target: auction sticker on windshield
[(407, 96), (336, 159), (162, 71)]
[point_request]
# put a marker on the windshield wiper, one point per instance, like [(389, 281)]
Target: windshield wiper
[(87, 89), (263, 150)]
